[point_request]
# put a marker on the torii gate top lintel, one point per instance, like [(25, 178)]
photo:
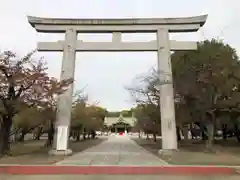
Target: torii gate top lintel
[(59, 25)]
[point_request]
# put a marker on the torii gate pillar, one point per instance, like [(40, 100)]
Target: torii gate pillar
[(167, 108), (161, 26), (64, 104)]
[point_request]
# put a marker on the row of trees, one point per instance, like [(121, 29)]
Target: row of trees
[(28, 101), (207, 92), (86, 119)]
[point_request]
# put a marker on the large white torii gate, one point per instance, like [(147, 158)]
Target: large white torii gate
[(161, 26)]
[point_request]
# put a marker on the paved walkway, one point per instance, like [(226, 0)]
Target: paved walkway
[(117, 150)]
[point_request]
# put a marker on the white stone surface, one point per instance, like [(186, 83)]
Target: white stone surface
[(116, 37), (168, 124), (62, 138), (117, 150), (127, 21), (116, 45), (54, 152), (114, 28), (64, 105), (190, 24)]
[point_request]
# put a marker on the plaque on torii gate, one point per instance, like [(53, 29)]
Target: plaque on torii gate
[(161, 26)]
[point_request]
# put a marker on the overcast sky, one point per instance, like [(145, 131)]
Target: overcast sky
[(104, 75)]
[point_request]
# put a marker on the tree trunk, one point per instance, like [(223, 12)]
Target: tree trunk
[(50, 135), (16, 137), (237, 132), (39, 133), (238, 136), (178, 133), (93, 134), (78, 136), (185, 133), (224, 131), (147, 137), (211, 126), (22, 137), (154, 137), (84, 133), (203, 133), (210, 132), (4, 135), (71, 134), (193, 131)]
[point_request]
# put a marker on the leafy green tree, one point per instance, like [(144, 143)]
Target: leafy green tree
[(148, 110), (86, 118), (208, 73), (79, 115), (24, 120), (206, 84)]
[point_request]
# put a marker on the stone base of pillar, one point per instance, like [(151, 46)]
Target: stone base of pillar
[(54, 152), (167, 152)]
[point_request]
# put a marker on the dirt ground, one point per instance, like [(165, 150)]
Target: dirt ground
[(194, 153), (34, 152)]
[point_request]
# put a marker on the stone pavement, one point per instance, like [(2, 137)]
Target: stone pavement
[(117, 150)]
